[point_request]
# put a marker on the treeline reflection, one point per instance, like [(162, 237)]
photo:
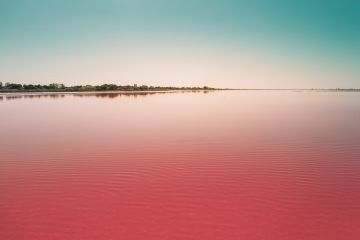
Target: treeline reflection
[(108, 95), (117, 95), (32, 96)]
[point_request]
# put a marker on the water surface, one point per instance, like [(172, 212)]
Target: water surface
[(277, 165)]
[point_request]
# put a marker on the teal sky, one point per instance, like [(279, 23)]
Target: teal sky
[(227, 43)]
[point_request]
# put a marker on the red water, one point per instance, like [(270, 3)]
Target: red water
[(275, 165)]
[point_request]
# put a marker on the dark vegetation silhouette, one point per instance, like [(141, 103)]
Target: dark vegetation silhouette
[(55, 87)]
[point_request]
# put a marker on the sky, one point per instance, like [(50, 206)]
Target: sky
[(217, 43)]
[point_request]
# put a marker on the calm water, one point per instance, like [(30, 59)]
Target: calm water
[(275, 165)]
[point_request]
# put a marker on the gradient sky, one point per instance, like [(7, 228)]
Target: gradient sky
[(220, 43)]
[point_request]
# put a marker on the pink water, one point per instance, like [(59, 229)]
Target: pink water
[(275, 165)]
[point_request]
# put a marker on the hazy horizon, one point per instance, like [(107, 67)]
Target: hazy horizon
[(224, 44)]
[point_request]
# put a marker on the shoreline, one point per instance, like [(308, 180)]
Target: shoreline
[(7, 93), (4, 93)]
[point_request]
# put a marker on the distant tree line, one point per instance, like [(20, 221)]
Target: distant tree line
[(56, 87)]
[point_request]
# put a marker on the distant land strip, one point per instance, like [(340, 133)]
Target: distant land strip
[(56, 87)]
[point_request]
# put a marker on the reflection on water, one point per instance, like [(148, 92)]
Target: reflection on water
[(60, 95), (110, 95), (252, 165), (117, 95), (19, 96)]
